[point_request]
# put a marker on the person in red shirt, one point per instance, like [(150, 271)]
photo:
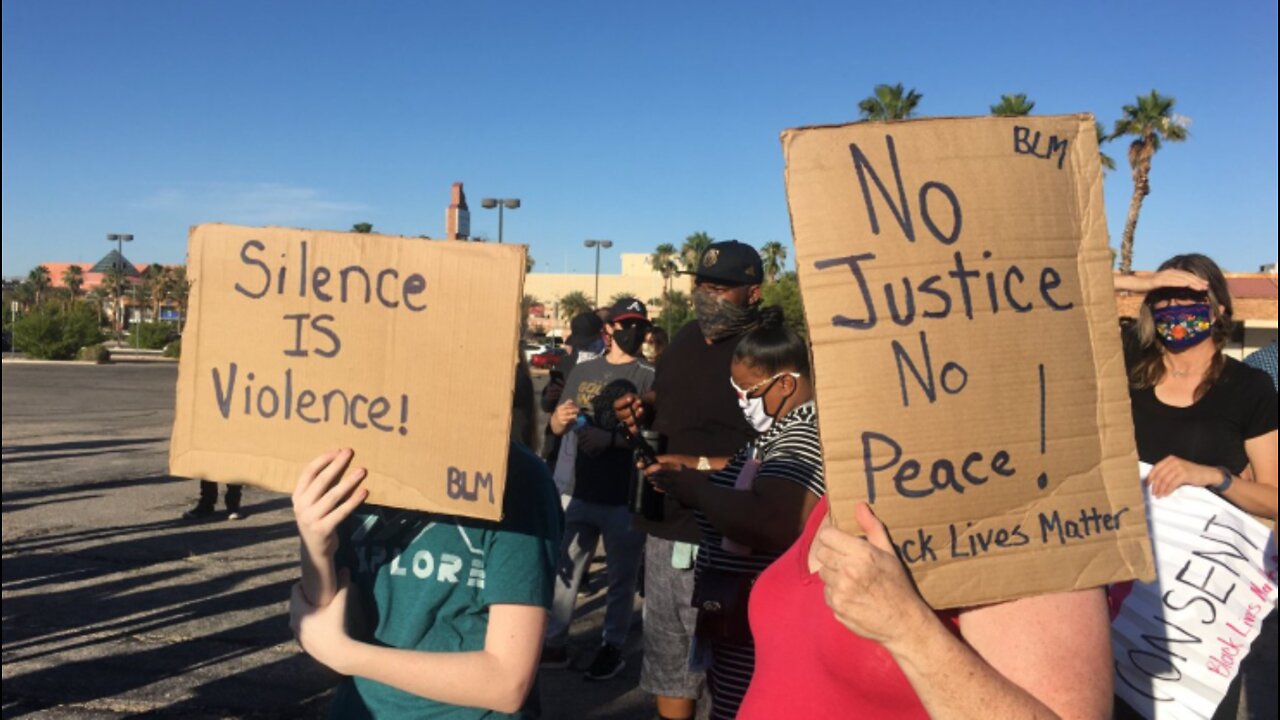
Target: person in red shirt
[(840, 631)]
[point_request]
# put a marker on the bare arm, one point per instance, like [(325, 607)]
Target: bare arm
[(1254, 491), (496, 678), (1163, 278), (1046, 656), (1257, 497), (1042, 657)]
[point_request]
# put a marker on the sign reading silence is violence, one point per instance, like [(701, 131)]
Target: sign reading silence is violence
[(403, 349), (970, 379)]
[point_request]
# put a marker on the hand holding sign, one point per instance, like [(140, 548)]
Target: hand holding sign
[(866, 584), (1173, 472), (325, 495)]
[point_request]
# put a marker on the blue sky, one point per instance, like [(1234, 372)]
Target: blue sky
[(637, 122)]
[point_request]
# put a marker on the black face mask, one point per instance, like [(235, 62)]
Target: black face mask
[(629, 339)]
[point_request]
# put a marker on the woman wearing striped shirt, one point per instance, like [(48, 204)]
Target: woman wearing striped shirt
[(754, 508)]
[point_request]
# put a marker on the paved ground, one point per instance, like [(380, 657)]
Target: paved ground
[(113, 606)]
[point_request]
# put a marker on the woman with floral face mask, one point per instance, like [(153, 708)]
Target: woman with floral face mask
[(755, 507), (1200, 418)]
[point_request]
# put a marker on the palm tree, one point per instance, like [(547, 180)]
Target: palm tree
[(116, 284), (890, 102), (362, 227), (663, 260), (73, 278), (180, 290), (156, 280), (25, 294), (574, 304), (624, 295), (1151, 122), (99, 296), (774, 255), (39, 279), (1108, 162), (1013, 105), (694, 246)]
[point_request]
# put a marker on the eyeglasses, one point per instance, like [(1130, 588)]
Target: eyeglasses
[(745, 393)]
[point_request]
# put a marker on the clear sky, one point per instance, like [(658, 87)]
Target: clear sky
[(639, 122)]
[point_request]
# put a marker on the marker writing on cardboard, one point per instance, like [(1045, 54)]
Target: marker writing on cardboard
[(1024, 143), (959, 287), (970, 539), (315, 279), (289, 403)]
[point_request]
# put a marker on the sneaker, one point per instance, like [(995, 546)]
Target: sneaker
[(235, 515), (554, 658), (608, 663), (199, 512)]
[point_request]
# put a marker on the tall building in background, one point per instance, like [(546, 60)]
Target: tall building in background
[(457, 221)]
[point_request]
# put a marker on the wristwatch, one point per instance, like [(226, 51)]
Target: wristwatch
[(704, 464), (1227, 479)]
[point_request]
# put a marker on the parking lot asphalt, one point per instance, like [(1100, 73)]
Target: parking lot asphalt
[(114, 606)]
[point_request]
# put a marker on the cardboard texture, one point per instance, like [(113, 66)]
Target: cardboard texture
[(413, 368), (970, 382)]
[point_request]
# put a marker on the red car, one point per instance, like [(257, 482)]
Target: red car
[(547, 359)]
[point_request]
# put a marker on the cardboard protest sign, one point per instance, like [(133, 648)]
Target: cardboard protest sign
[(301, 341), (1179, 641), (969, 377)]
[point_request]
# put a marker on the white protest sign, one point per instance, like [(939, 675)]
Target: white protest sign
[(1179, 641)]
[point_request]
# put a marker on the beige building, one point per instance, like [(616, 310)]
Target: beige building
[(637, 279)]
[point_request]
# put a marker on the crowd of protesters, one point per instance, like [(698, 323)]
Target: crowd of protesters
[(755, 605)]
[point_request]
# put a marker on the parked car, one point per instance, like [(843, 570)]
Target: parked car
[(530, 349), (547, 359)]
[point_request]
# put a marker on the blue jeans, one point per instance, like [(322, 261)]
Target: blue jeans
[(584, 523)]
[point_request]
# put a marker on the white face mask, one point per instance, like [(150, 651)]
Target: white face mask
[(753, 409)]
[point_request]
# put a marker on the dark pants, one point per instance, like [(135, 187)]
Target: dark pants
[(209, 495)]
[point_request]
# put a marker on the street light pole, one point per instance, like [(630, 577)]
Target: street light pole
[(500, 203), (597, 244), (119, 239)]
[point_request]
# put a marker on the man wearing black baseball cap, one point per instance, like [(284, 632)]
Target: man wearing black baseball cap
[(601, 480), (696, 411)]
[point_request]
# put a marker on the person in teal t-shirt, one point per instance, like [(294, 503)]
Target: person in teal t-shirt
[(431, 616)]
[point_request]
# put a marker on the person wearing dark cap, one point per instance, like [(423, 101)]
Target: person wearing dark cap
[(585, 341), (601, 475), (696, 411)]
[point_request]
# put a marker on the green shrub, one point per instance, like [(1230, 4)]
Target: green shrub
[(150, 335), (95, 353), (173, 349), (55, 332)]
